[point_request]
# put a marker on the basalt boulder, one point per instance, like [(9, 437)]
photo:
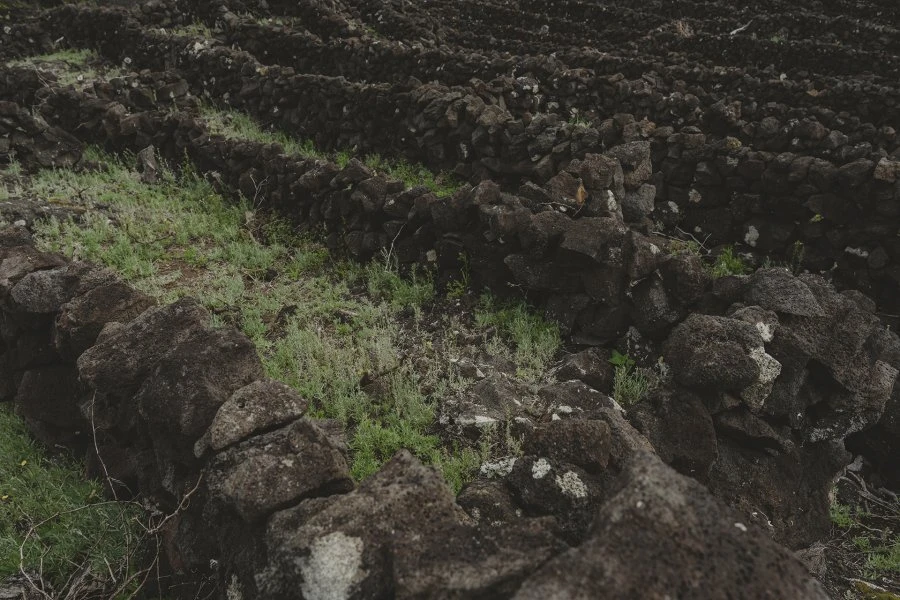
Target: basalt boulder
[(399, 533), (663, 534)]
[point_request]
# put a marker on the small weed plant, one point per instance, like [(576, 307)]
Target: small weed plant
[(728, 263), (459, 287), (631, 383)]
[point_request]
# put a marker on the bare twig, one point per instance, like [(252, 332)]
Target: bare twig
[(109, 480), (741, 28), (387, 257)]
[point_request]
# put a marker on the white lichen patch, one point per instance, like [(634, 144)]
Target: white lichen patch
[(498, 468), (332, 567), (571, 485), (765, 331), (540, 468), (480, 421), (860, 252), (751, 236), (611, 204), (235, 590), (754, 395)]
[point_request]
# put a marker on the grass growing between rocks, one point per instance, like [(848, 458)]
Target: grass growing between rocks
[(631, 383), (862, 555), (71, 67), (57, 523), (237, 125), (867, 528), (367, 346)]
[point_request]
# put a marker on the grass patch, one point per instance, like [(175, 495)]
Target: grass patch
[(71, 67), (350, 338), (728, 263), (867, 532), (237, 125), (630, 386), (631, 383), (60, 519), (442, 184), (534, 341), (194, 29)]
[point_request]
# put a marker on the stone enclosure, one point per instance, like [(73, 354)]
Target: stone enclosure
[(701, 490)]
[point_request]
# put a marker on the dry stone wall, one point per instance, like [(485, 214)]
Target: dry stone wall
[(785, 181), (770, 383), (165, 405), (771, 375)]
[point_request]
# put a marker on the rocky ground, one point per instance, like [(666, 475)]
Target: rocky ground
[(299, 205)]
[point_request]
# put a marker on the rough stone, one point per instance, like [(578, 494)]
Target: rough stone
[(680, 428), (82, 318), (635, 159), (399, 533), (671, 526), (186, 388), (596, 238), (590, 366), (271, 471), (47, 398), (786, 492), (487, 404), (639, 203), (256, 408), (17, 262), (777, 290), (708, 352), (44, 291), (579, 442), (125, 355)]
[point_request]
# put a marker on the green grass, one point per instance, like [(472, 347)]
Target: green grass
[(442, 184), (728, 263), (194, 29), (327, 327), (237, 125), (872, 536), (533, 341), (71, 67), (59, 519), (632, 384)]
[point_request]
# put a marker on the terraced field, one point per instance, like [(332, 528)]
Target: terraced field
[(451, 299)]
